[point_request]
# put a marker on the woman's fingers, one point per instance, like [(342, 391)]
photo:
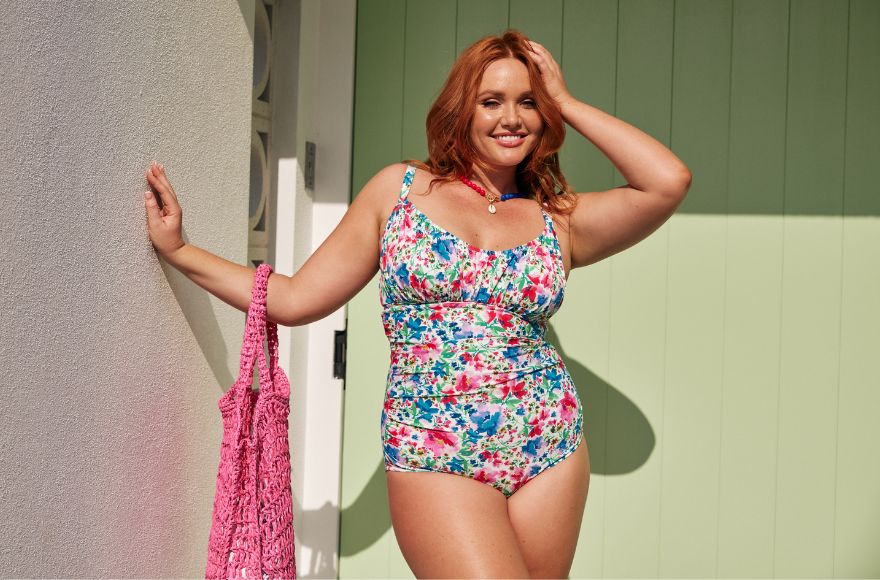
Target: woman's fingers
[(160, 183), (154, 215), (164, 179), (551, 74)]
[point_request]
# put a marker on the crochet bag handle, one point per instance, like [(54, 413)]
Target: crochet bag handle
[(257, 324)]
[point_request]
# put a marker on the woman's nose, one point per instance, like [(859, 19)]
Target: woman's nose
[(510, 116)]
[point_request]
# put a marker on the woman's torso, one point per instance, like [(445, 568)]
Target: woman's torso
[(460, 318)]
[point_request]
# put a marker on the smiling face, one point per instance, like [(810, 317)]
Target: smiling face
[(506, 125)]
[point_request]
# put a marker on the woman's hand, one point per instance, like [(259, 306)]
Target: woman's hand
[(550, 73), (164, 225)]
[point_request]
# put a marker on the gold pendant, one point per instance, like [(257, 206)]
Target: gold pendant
[(492, 199)]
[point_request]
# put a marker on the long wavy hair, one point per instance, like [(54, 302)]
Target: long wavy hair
[(450, 150)]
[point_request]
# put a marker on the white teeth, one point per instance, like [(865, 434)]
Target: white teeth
[(509, 138)]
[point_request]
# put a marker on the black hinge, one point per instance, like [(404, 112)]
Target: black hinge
[(339, 342)]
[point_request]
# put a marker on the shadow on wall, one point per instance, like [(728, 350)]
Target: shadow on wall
[(369, 514)]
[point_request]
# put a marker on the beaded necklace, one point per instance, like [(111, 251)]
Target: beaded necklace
[(492, 197)]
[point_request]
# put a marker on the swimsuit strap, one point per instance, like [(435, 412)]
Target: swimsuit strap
[(407, 181)]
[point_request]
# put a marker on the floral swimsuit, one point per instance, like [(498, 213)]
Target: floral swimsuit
[(473, 387)]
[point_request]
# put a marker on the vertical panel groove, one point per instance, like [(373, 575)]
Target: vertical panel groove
[(781, 286), (402, 154), (724, 282), (665, 358), (612, 261), (840, 305)]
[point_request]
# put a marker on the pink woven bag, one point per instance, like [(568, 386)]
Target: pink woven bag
[(252, 525)]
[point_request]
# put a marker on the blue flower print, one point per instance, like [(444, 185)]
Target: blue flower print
[(415, 325), (533, 446), (443, 248), (426, 409), (486, 422), (402, 272)]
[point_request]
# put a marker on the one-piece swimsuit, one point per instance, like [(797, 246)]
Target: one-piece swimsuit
[(473, 387)]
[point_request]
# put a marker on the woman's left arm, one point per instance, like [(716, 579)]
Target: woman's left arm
[(606, 222)]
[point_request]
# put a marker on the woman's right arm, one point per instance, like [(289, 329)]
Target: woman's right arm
[(341, 266)]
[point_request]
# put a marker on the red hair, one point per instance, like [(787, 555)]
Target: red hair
[(450, 150)]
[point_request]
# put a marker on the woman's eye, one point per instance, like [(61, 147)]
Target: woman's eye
[(490, 103), (529, 103)]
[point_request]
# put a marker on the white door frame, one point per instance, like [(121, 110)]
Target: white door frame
[(324, 97)]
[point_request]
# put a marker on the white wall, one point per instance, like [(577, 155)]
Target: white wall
[(113, 362)]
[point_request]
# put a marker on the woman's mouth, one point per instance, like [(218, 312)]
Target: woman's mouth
[(509, 140)]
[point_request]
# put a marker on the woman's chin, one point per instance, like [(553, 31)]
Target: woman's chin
[(510, 160)]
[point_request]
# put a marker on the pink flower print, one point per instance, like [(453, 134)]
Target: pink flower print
[(417, 284), (517, 475), (503, 317), (447, 398), (530, 292), (568, 408), (519, 390), (434, 443), (502, 389), (478, 364), (427, 351), (450, 439), (467, 383), (397, 434), (537, 422), (485, 475)]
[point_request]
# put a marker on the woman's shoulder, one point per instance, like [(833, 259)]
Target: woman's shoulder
[(382, 190)]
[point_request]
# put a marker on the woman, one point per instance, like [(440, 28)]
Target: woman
[(486, 465)]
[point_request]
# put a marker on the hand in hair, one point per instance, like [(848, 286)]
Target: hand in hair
[(550, 73)]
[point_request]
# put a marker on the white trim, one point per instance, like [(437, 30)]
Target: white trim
[(324, 96)]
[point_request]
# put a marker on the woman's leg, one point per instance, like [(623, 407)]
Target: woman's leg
[(546, 514), (450, 526)]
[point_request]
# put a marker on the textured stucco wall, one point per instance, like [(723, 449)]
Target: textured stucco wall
[(112, 361)]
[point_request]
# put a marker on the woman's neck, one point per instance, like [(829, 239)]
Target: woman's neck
[(500, 180)]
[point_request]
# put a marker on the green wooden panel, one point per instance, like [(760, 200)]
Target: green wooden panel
[(808, 389), (758, 89), (590, 49), (816, 107), (692, 396), (750, 371), (638, 307), (809, 358), (379, 88), (540, 21), (477, 18), (701, 98), (862, 113), (857, 514), (695, 304), (430, 52), (753, 271), (857, 507)]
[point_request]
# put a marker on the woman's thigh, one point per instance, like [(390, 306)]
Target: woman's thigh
[(451, 526), (546, 514)]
